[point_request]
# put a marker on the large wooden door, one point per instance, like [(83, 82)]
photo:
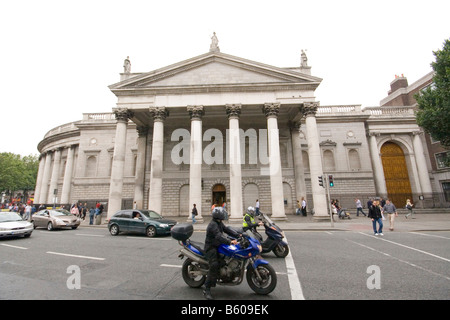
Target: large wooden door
[(396, 174)]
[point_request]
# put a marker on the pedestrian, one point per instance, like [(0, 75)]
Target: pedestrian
[(214, 238), (391, 210), (257, 207), (359, 207), (27, 212), (409, 206), (375, 215), (75, 210), (303, 206), (299, 208), (91, 215), (84, 211), (194, 213)]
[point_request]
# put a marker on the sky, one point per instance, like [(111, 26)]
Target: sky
[(59, 57)]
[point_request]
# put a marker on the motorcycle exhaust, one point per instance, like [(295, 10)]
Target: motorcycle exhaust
[(193, 256)]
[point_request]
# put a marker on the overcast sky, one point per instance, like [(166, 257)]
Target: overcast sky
[(58, 57)]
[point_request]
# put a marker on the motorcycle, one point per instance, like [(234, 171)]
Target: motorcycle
[(234, 260), (275, 235)]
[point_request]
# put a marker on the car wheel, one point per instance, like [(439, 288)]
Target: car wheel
[(50, 226), (151, 231), (114, 230)]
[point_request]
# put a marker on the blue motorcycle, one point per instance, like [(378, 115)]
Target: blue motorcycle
[(235, 259)]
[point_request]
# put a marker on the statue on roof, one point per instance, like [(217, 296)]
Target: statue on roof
[(127, 65), (214, 43), (304, 59)]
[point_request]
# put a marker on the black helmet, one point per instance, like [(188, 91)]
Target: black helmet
[(220, 213)]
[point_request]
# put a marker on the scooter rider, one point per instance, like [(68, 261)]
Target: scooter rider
[(214, 238), (249, 220)]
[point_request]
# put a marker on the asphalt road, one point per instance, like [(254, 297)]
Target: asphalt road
[(89, 263)]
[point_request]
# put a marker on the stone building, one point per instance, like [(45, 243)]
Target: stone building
[(217, 128)]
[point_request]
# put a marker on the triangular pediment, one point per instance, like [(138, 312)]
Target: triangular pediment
[(214, 69)]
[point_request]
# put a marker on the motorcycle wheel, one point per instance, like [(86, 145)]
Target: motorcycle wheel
[(281, 251), (192, 274), (268, 280)]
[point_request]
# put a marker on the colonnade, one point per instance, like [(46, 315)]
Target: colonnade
[(196, 113)]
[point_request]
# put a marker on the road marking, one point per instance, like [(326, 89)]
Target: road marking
[(431, 235), (294, 282), (408, 247), (74, 255), (400, 260), (170, 265), (11, 246), (89, 235), (146, 238)]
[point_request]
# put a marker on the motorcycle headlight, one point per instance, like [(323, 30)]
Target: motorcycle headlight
[(259, 248)]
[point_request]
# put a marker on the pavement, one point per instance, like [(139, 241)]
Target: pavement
[(419, 222)]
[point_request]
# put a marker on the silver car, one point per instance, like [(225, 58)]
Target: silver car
[(55, 219), (12, 225)]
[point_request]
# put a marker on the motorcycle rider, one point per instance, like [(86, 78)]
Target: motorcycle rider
[(250, 223), (214, 238)]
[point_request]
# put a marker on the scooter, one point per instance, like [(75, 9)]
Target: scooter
[(275, 235), (235, 259)]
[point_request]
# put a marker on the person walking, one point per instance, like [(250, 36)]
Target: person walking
[(91, 215), (375, 215), (391, 210), (359, 207), (409, 206), (194, 213), (257, 207), (304, 207)]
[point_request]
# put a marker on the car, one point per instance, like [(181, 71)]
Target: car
[(146, 222), (12, 225), (55, 219)]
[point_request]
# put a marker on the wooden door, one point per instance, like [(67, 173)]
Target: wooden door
[(396, 174)]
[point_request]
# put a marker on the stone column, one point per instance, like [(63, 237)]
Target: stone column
[(55, 175), (380, 182), (140, 167), (159, 114), (116, 181), (236, 203), (46, 178), (195, 161), (68, 171), (271, 111), (309, 110), (299, 173), (37, 190), (421, 163)]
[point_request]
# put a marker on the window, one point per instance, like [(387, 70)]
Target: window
[(91, 166), (353, 157), (446, 188)]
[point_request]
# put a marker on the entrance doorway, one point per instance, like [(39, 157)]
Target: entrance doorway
[(219, 194), (396, 174)]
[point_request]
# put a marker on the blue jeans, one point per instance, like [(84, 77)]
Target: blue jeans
[(380, 225), (193, 219)]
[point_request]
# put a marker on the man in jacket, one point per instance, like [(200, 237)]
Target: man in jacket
[(214, 238), (375, 215)]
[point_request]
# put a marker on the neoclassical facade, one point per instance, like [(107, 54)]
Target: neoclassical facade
[(217, 128)]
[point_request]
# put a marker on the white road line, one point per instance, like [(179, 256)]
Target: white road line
[(170, 265), (74, 255), (411, 248), (89, 235), (294, 282), (163, 239), (431, 235), (11, 246)]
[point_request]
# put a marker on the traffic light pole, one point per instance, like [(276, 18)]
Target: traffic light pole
[(326, 185)]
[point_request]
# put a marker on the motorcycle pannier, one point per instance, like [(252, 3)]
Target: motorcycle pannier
[(182, 231)]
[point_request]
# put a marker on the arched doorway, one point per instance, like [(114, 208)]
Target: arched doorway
[(219, 194), (395, 173)]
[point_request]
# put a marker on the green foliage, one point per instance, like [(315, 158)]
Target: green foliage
[(17, 173), (434, 101)]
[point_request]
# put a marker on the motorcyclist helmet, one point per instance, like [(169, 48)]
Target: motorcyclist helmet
[(220, 213), (251, 211)]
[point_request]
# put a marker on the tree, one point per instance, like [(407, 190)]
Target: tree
[(434, 101), (18, 173)]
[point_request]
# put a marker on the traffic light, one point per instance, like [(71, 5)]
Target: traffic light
[(320, 181), (330, 180)]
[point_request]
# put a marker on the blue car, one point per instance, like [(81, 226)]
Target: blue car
[(146, 222)]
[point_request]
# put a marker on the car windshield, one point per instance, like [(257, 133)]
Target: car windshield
[(151, 214), (9, 216), (60, 212)]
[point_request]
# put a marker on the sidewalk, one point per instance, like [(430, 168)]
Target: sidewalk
[(421, 222)]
